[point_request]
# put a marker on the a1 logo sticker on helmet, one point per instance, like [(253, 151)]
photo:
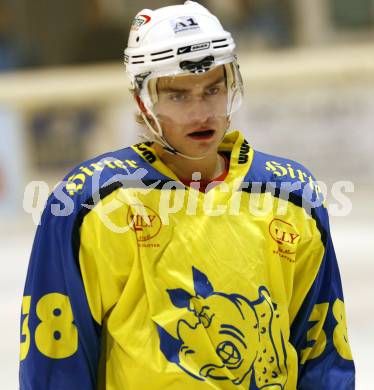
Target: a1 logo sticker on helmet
[(184, 23), (139, 21)]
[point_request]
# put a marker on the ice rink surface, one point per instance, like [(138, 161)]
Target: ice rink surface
[(353, 237)]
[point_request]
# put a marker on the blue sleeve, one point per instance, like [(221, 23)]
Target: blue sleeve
[(319, 331), (60, 341)]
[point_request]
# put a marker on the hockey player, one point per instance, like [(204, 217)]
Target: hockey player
[(190, 261)]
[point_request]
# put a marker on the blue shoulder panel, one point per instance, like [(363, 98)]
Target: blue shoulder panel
[(124, 165)]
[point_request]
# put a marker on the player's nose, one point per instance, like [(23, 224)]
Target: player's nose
[(200, 111)]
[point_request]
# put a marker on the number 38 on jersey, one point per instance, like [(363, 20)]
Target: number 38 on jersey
[(56, 336)]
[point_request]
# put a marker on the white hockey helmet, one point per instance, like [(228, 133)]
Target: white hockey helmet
[(178, 40)]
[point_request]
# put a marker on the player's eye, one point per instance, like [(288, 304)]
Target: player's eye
[(178, 97), (216, 89), (213, 90)]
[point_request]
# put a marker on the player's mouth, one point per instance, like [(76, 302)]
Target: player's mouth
[(202, 135)]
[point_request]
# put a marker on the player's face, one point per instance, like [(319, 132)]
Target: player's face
[(192, 110)]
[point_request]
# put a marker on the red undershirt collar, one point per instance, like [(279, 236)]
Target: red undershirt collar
[(205, 183)]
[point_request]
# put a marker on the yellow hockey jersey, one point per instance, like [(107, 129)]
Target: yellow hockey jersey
[(138, 282)]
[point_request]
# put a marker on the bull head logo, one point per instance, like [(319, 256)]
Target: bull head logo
[(226, 337)]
